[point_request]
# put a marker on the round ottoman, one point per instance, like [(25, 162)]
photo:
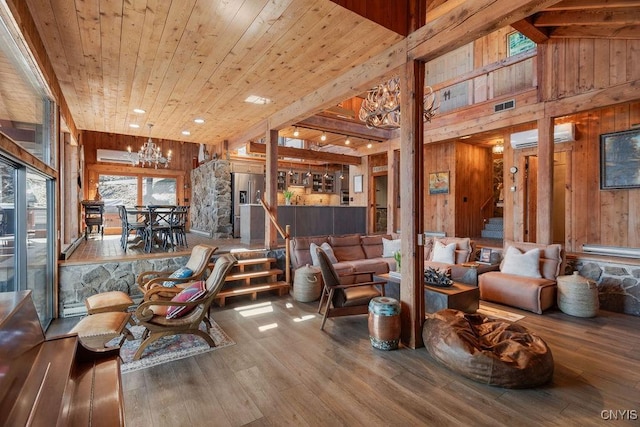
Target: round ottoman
[(493, 352), (577, 296), (307, 284), (384, 323)]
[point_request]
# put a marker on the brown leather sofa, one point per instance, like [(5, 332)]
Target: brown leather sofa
[(356, 253), (528, 293)]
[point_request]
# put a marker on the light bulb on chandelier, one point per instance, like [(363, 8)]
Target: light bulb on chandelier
[(149, 154), (381, 107)]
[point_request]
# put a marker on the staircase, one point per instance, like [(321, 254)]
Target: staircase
[(240, 281), (493, 228)]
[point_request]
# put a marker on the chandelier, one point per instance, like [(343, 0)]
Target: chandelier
[(149, 154), (381, 107)]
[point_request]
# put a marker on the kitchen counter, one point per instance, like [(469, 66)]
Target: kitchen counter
[(305, 220)]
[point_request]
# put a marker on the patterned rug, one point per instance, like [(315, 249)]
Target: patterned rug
[(499, 314), (168, 349)]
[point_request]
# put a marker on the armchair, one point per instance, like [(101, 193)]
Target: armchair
[(152, 314), (344, 299), (150, 283), (529, 284)]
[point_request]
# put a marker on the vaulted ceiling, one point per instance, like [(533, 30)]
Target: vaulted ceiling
[(183, 60)]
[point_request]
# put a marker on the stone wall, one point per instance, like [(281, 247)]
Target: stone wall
[(211, 199), (618, 283)]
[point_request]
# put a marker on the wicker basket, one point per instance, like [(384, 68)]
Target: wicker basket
[(307, 284), (577, 296)]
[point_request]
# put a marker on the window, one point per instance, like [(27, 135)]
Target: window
[(518, 43)]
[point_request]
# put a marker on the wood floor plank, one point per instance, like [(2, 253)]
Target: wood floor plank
[(284, 371)]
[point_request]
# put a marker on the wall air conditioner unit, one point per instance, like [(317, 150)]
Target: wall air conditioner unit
[(116, 156), (566, 132)]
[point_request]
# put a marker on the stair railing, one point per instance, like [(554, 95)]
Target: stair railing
[(286, 235)]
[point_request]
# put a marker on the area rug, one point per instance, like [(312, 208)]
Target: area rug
[(168, 349), (499, 314)]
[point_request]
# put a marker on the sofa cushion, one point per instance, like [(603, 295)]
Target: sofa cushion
[(521, 264), (444, 253), (390, 247), (372, 245), (347, 248), (300, 250)]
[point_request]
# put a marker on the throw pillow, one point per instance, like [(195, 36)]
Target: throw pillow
[(181, 273), (314, 254), (192, 293), (444, 253), (390, 247), (527, 264), (329, 251)]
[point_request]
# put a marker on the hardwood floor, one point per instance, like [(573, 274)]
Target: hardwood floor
[(285, 371)]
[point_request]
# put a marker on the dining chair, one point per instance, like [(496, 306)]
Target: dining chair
[(158, 227), (179, 225), (130, 222)]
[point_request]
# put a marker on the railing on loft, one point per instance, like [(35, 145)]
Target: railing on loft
[(286, 235), (483, 210)]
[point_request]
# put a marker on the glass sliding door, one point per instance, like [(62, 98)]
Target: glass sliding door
[(7, 226)]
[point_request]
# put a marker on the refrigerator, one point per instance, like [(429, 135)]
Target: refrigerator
[(246, 188)]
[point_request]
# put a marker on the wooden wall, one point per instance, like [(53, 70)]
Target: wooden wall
[(439, 209), (473, 187)]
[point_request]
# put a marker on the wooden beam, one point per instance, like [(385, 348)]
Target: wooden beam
[(532, 32), (592, 100), (544, 178), (628, 32), (23, 156), (412, 215), (621, 16), (592, 4), (351, 129), (481, 17), (299, 153), (271, 191)]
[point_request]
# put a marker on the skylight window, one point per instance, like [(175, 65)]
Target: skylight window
[(259, 100)]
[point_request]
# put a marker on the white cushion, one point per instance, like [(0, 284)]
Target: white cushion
[(527, 264), (326, 248), (442, 253), (390, 247)]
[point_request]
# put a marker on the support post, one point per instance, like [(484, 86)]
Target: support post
[(544, 217), (271, 191)]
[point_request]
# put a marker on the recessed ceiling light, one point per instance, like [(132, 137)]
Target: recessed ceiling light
[(134, 125), (186, 132), (199, 121), (253, 99), (139, 111), (369, 145)]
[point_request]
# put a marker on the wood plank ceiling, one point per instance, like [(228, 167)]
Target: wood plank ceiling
[(188, 59)]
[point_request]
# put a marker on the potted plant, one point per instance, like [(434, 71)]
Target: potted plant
[(288, 194)]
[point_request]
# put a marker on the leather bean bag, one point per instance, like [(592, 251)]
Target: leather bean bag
[(489, 351)]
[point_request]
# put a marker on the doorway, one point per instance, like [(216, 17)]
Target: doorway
[(380, 203)]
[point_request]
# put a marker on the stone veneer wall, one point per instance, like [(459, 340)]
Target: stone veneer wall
[(618, 282), (211, 199)]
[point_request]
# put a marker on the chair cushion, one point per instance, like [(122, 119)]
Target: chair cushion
[(521, 264), (359, 295), (193, 292), (390, 247), (181, 273)]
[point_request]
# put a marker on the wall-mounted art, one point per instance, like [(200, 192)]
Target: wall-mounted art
[(620, 160), (439, 183)]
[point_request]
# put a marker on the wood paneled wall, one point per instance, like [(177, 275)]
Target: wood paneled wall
[(439, 209), (473, 187), (575, 66)]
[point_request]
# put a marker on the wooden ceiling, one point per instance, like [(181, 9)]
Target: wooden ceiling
[(182, 60)]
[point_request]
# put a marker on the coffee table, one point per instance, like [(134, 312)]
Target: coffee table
[(458, 296)]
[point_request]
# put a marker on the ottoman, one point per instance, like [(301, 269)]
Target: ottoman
[(98, 329), (108, 301)]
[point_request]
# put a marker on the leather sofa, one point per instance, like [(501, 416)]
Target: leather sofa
[(356, 253), (528, 293)]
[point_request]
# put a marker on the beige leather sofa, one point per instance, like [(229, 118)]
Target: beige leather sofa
[(528, 293)]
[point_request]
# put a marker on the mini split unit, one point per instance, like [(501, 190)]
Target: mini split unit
[(566, 132), (115, 156)]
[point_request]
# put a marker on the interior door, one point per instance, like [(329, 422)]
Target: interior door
[(531, 198)]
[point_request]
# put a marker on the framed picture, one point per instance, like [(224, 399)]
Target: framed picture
[(357, 184), (439, 183), (620, 160), (485, 256), (518, 43)]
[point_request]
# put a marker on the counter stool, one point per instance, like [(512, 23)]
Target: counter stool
[(98, 329), (107, 302)]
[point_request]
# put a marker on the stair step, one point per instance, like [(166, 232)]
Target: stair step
[(492, 234), (496, 220), (254, 261), (252, 274), (494, 226), (281, 287)]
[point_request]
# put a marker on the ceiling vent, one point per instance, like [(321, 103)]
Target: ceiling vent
[(503, 106), (116, 156), (565, 132)]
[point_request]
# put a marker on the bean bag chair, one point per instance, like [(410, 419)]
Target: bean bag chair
[(489, 351)]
